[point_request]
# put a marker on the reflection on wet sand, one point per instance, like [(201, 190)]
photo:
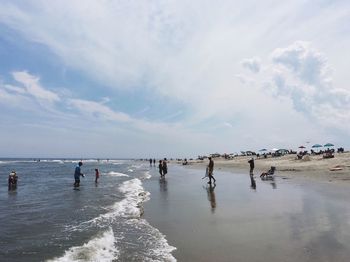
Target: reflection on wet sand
[(163, 184), (211, 196), (252, 181), (272, 179)]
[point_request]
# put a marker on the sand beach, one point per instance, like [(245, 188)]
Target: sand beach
[(311, 167)]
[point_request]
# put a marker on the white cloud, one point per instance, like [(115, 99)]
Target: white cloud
[(303, 74), (33, 88), (253, 64), (190, 53), (97, 110)]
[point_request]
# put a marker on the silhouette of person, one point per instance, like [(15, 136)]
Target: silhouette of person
[(12, 180), (97, 175), (150, 161), (160, 167), (154, 161), (165, 167), (210, 170), (251, 164)]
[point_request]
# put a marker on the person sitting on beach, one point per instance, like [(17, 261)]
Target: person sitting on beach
[(210, 170), (97, 175), (270, 172), (160, 166), (12, 181), (77, 174), (164, 167)]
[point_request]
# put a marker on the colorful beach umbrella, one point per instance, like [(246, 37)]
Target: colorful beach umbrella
[(328, 145), (316, 146)]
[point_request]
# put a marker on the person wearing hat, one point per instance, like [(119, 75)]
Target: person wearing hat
[(77, 174)]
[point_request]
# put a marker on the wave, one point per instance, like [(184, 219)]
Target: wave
[(100, 248), (112, 173), (129, 207)]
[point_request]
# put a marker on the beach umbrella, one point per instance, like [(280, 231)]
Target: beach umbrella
[(328, 145), (316, 146), (274, 149), (264, 149), (302, 147)]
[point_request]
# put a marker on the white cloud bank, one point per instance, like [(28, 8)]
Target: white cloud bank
[(198, 53)]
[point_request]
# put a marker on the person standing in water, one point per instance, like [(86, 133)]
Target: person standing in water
[(210, 170), (97, 175), (77, 174), (12, 181), (165, 167)]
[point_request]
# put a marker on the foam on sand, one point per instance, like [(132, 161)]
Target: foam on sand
[(101, 248)]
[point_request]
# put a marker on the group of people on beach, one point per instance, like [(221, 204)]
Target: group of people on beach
[(163, 167)]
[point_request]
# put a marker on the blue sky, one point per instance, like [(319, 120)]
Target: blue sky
[(172, 78)]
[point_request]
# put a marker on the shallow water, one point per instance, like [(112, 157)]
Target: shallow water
[(44, 219)]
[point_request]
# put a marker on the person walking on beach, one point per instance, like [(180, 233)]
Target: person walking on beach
[(165, 167), (154, 161), (210, 170), (77, 174), (97, 175), (150, 162), (160, 166), (251, 164)]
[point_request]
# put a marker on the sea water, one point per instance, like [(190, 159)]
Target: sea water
[(46, 219)]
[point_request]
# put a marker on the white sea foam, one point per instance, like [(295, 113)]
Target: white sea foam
[(146, 175), (101, 248), (112, 173), (129, 207), (158, 248)]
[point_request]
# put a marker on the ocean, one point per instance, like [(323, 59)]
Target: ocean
[(46, 219)]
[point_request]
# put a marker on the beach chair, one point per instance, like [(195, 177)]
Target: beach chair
[(269, 173)]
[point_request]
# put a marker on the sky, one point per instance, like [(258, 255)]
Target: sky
[(172, 78)]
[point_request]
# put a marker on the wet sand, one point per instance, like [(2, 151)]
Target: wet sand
[(281, 220)]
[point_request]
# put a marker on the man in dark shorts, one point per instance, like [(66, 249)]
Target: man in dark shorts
[(210, 170), (77, 174)]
